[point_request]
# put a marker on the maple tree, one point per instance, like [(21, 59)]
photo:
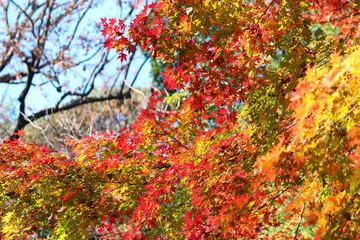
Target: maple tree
[(262, 141)]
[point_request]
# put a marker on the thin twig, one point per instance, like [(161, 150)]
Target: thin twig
[(301, 218), (340, 18)]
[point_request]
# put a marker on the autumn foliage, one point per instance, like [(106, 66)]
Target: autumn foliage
[(265, 143)]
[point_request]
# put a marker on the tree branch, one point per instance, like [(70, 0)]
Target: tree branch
[(70, 105), (298, 226), (10, 78), (340, 18)]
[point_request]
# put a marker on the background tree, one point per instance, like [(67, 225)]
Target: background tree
[(52, 58), (57, 129)]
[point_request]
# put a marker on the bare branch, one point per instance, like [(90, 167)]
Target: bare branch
[(11, 78), (70, 105), (139, 70), (77, 25)]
